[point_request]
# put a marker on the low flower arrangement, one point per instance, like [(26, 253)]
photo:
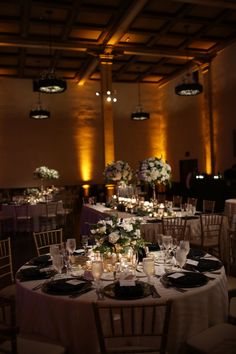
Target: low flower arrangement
[(117, 235), (118, 171), (44, 172), (154, 170)]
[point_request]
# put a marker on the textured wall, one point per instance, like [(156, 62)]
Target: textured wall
[(72, 140)]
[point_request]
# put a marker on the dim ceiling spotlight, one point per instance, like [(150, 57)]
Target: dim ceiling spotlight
[(109, 96)]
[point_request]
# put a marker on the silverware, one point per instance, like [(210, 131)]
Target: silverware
[(154, 292), (167, 285), (81, 292), (37, 287)]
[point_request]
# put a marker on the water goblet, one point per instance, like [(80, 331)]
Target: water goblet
[(180, 257), (71, 245), (54, 250), (185, 246), (149, 268)]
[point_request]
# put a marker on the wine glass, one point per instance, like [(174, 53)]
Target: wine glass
[(167, 241), (54, 250), (180, 257), (58, 263), (149, 267), (97, 271), (71, 245), (84, 242)]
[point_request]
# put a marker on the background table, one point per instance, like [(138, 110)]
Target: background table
[(91, 214)]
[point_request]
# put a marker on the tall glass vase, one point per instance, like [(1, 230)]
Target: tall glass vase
[(154, 197)]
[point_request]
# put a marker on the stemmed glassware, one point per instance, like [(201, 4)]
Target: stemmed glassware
[(185, 246), (180, 256), (84, 242), (97, 271), (149, 268), (71, 245), (58, 263)]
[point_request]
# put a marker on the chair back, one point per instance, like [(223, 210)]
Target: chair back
[(6, 268), (177, 200), (208, 206), (144, 327), (175, 227), (192, 201), (44, 239), (50, 209), (22, 211), (211, 226)]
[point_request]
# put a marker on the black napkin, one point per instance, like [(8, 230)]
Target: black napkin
[(128, 292), (196, 253), (63, 287), (188, 280), (45, 259), (208, 265), (153, 247), (33, 273)]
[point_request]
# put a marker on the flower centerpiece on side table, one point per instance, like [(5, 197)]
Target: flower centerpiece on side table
[(116, 237), (153, 171), (45, 173), (119, 172)]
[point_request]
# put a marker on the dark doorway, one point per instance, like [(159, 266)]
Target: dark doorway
[(188, 169)]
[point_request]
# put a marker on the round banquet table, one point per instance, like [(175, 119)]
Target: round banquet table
[(70, 321)]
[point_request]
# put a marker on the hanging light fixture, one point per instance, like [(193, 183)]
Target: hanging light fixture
[(190, 85), (48, 81), (39, 112), (139, 114)]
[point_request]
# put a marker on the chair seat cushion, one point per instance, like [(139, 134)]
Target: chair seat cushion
[(218, 339), (28, 346)]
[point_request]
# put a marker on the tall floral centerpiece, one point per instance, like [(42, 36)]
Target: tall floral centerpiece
[(45, 173), (117, 236), (119, 172), (153, 171)]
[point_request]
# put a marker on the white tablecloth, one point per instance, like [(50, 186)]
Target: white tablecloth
[(35, 210), (70, 321)]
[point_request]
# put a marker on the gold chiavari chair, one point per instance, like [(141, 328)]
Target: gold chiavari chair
[(6, 269), (132, 328), (44, 239)]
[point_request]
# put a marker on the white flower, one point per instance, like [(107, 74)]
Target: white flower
[(154, 170), (44, 172), (118, 171), (127, 227), (113, 237)]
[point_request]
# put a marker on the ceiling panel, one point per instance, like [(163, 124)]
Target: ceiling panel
[(149, 40)]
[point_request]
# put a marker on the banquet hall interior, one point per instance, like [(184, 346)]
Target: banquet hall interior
[(84, 84)]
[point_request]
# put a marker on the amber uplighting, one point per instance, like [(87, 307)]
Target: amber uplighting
[(158, 127), (110, 190), (86, 189)]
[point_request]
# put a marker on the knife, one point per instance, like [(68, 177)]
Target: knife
[(83, 291), (154, 292)]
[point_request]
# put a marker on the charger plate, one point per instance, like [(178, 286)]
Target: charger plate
[(139, 291), (188, 280)]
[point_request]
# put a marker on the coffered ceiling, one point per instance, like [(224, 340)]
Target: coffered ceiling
[(147, 40)]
